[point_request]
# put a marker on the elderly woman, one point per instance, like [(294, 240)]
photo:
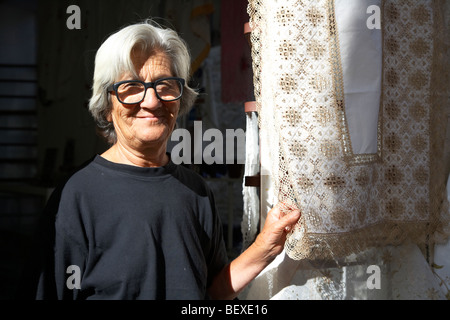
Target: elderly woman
[(131, 224)]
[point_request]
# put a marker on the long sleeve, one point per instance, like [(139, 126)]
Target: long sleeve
[(62, 259)]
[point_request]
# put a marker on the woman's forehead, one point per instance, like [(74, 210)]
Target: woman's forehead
[(155, 61)]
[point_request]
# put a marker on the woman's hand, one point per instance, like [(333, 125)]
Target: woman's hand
[(268, 244), (280, 220)]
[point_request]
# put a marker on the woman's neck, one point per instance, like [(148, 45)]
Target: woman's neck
[(146, 157)]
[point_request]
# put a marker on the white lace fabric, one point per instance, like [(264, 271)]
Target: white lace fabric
[(361, 155)]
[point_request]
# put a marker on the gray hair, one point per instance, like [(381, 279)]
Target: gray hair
[(113, 59)]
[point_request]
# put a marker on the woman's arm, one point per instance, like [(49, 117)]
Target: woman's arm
[(268, 244)]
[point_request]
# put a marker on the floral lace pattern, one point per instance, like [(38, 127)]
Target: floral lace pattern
[(352, 202)]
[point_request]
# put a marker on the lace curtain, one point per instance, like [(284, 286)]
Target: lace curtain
[(352, 100)]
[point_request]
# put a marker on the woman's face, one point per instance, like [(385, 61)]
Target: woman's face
[(150, 122)]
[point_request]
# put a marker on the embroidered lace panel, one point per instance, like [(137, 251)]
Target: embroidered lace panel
[(351, 202)]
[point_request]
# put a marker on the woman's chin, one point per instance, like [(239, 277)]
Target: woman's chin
[(160, 135)]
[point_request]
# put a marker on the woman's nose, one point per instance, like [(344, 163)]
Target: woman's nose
[(150, 100)]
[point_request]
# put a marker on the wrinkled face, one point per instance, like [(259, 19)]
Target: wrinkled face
[(150, 122)]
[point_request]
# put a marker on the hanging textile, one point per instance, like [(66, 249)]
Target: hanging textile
[(404, 273), (250, 217), (352, 112)]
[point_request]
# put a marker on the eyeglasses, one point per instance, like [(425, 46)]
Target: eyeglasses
[(133, 91)]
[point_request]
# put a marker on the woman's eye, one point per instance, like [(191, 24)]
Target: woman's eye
[(132, 85)]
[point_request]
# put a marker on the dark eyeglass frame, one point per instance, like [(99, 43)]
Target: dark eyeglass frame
[(115, 86)]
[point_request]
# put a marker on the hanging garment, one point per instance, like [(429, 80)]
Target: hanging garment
[(351, 97), (250, 196), (369, 181)]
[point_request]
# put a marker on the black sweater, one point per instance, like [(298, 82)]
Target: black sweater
[(125, 232)]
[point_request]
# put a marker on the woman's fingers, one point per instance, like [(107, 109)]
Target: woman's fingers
[(290, 219), (283, 217)]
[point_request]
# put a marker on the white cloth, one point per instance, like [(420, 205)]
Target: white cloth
[(406, 271), (249, 225), (361, 56), (404, 275)]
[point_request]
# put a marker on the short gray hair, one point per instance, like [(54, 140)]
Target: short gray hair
[(113, 59)]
